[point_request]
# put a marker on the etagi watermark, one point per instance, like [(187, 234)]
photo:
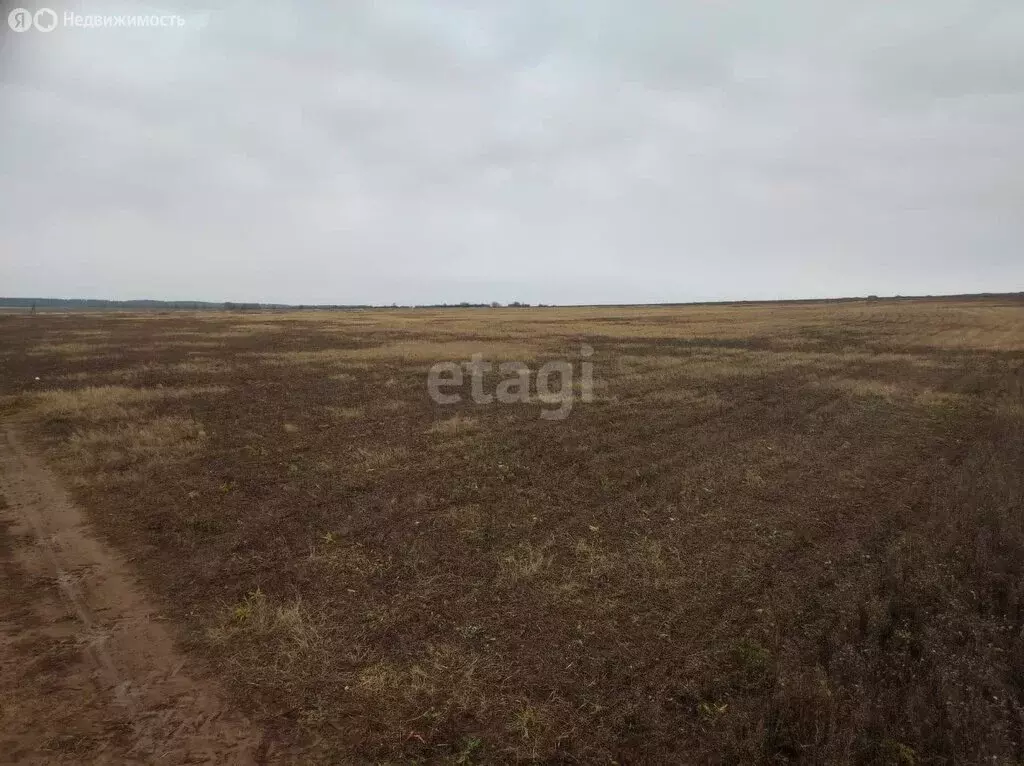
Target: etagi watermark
[(516, 387), (46, 20)]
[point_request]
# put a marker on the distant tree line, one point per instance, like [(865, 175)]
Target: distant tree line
[(96, 303), (466, 305), (93, 303)]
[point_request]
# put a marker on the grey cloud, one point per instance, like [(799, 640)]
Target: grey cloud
[(557, 152)]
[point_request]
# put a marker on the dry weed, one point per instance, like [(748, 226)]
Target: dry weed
[(455, 425), (96, 403)]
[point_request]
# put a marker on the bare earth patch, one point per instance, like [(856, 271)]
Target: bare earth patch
[(109, 685), (780, 533)]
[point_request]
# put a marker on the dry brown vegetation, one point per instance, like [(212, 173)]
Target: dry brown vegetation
[(780, 533)]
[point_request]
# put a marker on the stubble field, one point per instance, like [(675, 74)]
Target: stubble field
[(778, 533)]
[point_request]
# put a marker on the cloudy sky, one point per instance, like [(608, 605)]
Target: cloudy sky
[(561, 152)]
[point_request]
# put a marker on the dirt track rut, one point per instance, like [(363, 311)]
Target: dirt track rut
[(88, 670)]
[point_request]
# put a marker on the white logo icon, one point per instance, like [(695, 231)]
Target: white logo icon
[(20, 20), (45, 20)]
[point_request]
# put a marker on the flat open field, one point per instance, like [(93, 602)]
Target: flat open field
[(776, 533)]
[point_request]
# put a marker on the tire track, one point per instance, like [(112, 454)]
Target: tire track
[(129, 655)]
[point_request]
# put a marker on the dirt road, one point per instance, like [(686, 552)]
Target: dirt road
[(88, 672)]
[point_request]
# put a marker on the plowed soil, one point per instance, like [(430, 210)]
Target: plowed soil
[(87, 667), (779, 533)]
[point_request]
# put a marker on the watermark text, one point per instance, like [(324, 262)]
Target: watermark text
[(47, 19), (554, 383)]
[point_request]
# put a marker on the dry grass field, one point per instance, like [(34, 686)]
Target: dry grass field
[(778, 533)]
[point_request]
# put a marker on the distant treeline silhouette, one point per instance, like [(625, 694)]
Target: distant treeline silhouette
[(95, 303)]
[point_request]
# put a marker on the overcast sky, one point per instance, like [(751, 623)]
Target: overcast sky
[(537, 150)]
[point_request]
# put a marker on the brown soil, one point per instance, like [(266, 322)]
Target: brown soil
[(87, 669), (788, 533)]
